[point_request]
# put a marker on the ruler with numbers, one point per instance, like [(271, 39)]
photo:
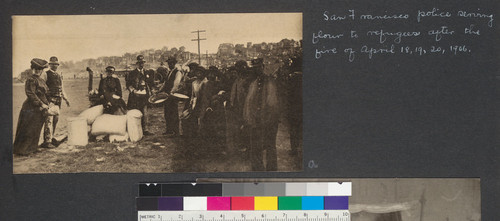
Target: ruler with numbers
[(240, 215)]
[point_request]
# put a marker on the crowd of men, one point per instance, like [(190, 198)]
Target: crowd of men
[(239, 107)]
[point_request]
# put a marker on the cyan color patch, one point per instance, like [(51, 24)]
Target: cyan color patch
[(312, 203)]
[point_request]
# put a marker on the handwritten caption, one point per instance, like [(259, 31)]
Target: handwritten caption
[(423, 32)]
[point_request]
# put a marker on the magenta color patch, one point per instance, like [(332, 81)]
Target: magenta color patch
[(219, 203)]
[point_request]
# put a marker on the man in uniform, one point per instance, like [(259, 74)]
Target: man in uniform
[(261, 114), (170, 108), (139, 83), (55, 96), (110, 91)]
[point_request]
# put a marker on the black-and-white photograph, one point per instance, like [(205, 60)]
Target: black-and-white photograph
[(157, 93)]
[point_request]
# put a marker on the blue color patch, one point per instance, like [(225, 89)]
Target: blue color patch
[(312, 203)]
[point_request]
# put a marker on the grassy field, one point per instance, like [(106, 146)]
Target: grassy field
[(153, 154)]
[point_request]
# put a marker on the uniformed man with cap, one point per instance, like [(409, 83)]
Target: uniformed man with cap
[(55, 95), (139, 83), (110, 91)]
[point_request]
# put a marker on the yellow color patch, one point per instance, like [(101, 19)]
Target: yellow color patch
[(266, 203)]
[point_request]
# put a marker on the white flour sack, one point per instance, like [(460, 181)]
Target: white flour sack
[(77, 131), (92, 113), (134, 127), (110, 124), (118, 138)]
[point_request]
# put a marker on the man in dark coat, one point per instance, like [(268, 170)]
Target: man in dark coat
[(171, 109), (237, 136), (110, 91), (139, 83), (55, 95), (261, 114)]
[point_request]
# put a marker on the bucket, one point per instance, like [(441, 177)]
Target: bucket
[(77, 131)]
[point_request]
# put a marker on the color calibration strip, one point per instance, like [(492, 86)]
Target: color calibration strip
[(246, 189), (242, 203)]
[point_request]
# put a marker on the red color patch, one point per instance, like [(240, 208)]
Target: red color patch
[(242, 203)]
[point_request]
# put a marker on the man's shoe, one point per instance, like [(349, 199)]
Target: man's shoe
[(47, 145), (147, 133)]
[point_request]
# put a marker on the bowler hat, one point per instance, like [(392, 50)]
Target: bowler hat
[(110, 68), (38, 63), (53, 60), (140, 58), (171, 59)]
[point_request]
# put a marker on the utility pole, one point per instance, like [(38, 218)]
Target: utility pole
[(207, 58), (198, 39)]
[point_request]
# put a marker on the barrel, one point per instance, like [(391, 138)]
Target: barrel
[(77, 131)]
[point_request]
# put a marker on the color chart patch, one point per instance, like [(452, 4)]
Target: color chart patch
[(246, 189), (243, 203), (243, 196)]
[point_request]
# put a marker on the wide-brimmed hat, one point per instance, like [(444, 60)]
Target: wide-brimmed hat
[(53, 60), (140, 59), (38, 63), (158, 98)]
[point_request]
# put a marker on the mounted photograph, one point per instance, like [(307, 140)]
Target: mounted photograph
[(157, 93)]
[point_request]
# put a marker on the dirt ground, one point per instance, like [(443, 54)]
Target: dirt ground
[(153, 154)]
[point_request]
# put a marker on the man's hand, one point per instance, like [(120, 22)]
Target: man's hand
[(67, 102)]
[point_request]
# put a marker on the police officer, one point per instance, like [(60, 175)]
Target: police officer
[(110, 91), (139, 83), (55, 96)]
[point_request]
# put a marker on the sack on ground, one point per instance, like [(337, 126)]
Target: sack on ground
[(77, 131), (134, 126), (92, 113), (110, 124), (118, 138)]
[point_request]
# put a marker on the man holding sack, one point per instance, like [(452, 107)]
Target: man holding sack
[(139, 82), (55, 96)]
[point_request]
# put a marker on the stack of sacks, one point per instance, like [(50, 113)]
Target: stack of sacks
[(119, 127), (113, 125), (92, 113), (78, 127)]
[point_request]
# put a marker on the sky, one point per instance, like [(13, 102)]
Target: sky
[(77, 37)]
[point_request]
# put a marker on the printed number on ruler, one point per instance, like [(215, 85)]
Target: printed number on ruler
[(235, 215)]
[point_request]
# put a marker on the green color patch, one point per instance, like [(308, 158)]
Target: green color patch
[(289, 203)]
